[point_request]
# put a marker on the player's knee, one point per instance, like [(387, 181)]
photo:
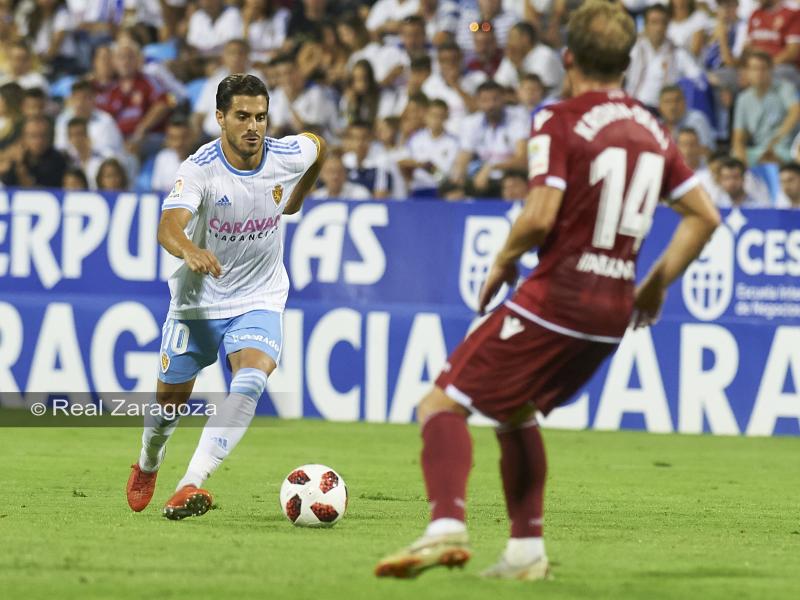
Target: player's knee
[(437, 401)]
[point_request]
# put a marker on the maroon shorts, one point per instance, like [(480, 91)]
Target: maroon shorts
[(509, 362)]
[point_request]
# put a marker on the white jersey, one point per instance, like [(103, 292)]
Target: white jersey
[(235, 215)]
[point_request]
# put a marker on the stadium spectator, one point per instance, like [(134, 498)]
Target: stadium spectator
[(731, 180), (726, 41), (21, 69), (355, 39), (212, 24), (486, 55), (514, 185), (178, 145), (494, 139), (675, 116), (774, 28), (102, 75), (264, 27), (369, 169), (306, 20), (74, 180), (103, 130), (139, 106), (49, 27), (335, 184), (394, 60), (324, 60), (441, 20), (655, 61), (452, 85), (33, 162), (766, 115), (413, 117), (394, 102), (111, 176), (488, 14), (81, 149), (525, 54), (11, 119), (235, 59), (789, 196), (298, 105), (531, 92), (361, 97), (688, 25), (430, 153), (34, 102), (386, 16)]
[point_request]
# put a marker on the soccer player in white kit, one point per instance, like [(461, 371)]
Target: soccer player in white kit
[(222, 219)]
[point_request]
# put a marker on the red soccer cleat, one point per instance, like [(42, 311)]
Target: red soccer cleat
[(141, 486), (189, 501)]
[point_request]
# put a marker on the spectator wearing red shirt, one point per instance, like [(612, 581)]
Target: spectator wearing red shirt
[(774, 28), (136, 102), (487, 56)]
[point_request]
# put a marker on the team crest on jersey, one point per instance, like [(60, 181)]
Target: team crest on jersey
[(164, 362), (177, 189), (277, 193)]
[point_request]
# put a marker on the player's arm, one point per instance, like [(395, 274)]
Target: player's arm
[(699, 219), (531, 228), (172, 237), (309, 178)]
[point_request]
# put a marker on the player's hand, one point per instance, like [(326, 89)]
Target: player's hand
[(498, 275), (647, 304), (202, 261)]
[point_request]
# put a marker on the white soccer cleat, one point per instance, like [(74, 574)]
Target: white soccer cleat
[(532, 571), (448, 550)]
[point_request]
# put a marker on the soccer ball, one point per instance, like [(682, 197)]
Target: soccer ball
[(313, 496)]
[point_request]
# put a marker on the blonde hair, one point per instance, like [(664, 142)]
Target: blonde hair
[(600, 35)]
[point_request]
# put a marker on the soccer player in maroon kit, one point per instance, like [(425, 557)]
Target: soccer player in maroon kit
[(598, 165)]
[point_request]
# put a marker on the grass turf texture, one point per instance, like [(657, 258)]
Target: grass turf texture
[(629, 515)]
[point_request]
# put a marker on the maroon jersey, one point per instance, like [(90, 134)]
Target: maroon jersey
[(614, 162), (771, 30), (129, 102)]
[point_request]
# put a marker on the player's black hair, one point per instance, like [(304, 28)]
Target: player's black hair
[(490, 85), (239, 84), (793, 167)]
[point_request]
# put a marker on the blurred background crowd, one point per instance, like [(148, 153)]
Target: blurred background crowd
[(417, 98)]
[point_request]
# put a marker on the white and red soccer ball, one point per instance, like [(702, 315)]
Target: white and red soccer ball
[(313, 496)]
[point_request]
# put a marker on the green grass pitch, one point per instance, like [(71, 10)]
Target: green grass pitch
[(629, 515)]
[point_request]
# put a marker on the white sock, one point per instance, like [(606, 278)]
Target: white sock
[(155, 436), (445, 526), (227, 427), (523, 551)]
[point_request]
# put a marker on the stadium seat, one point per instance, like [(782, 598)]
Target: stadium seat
[(161, 52), (193, 89), (769, 173)]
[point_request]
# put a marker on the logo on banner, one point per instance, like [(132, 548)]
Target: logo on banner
[(483, 238), (708, 282)]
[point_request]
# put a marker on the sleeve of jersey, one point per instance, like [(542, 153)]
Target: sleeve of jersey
[(679, 179), (309, 149), (547, 157), (188, 189)]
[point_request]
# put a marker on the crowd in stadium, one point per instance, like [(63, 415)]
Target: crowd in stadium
[(417, 98)]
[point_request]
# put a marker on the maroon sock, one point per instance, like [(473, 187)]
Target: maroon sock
[(524, 467), (446, 461)]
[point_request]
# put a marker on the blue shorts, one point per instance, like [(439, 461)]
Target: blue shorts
[(190, 345)]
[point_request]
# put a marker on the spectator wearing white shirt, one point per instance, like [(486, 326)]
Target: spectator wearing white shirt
[(789, 196), (178, 145), (452, 85), (265, 26), (688, 25), (488, 14), (385, 16), (430, 153), (212, 24), (355, 39), (103, 128), (441, 19), (368, 168), (335, 184), (20, 68), (531, 92), (675, 116), (48, 25), (300, 106), (656, 61), (493, 140), (525, 54), (394, 102), (81, 150), (731, 180), (235, 59), (394, 60), (486, 56), (688, 143), (361, 97)]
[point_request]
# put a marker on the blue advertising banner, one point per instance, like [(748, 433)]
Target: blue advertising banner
[(381, 293)]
